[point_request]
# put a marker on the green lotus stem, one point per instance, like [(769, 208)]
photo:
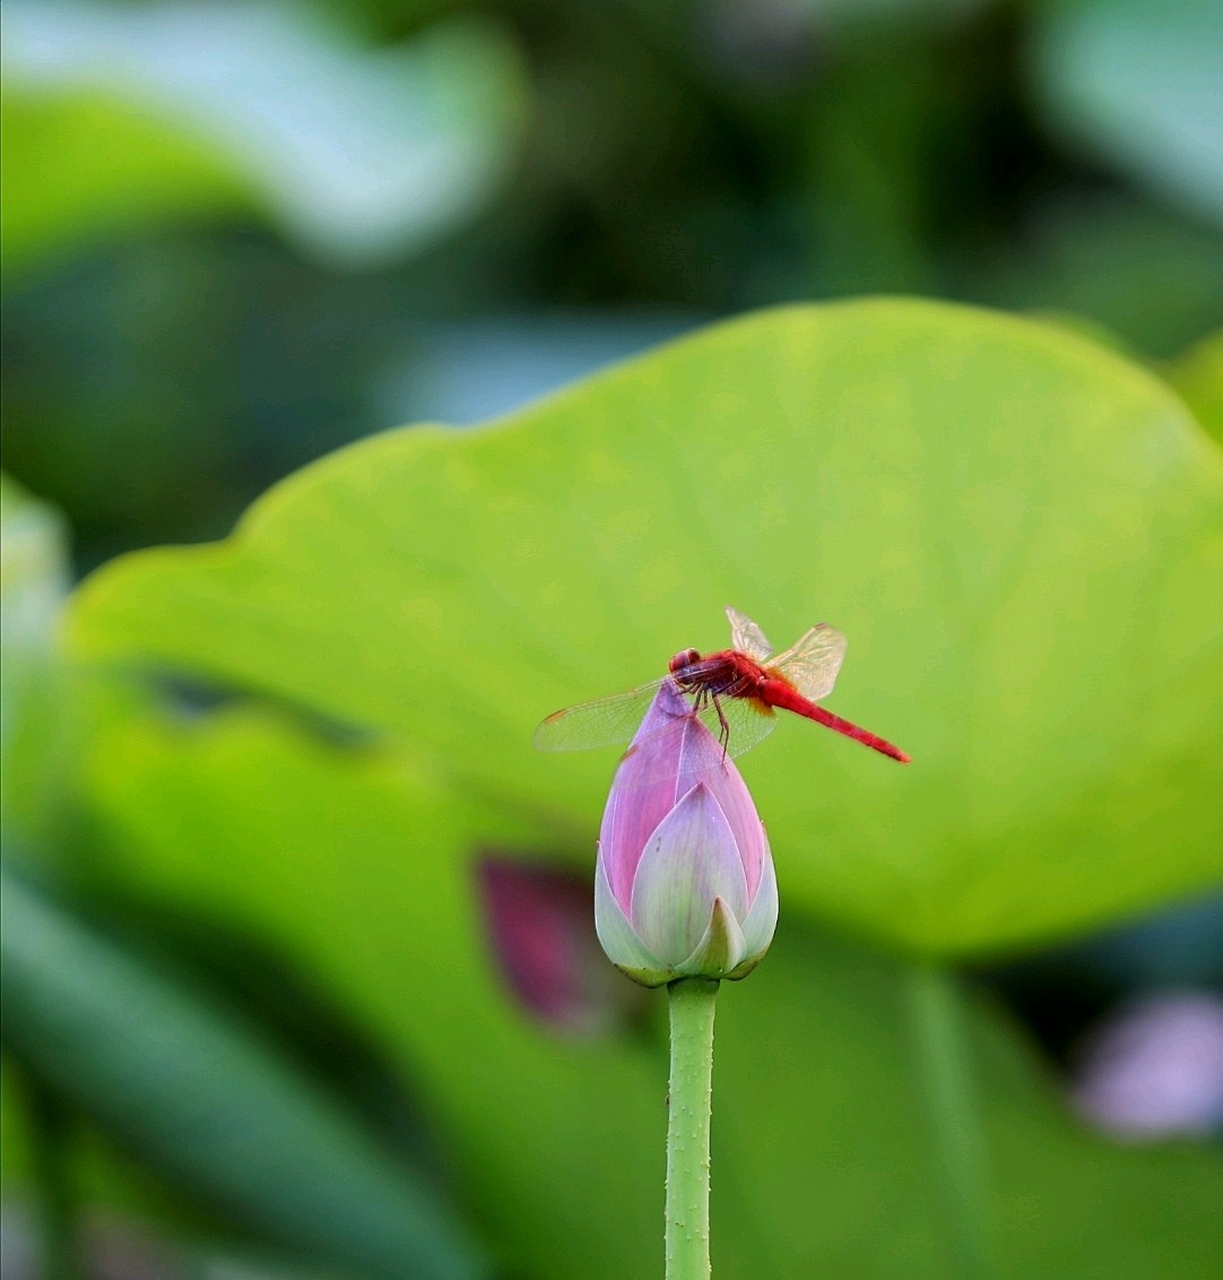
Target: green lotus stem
[(693, 1001), (936, 1010)]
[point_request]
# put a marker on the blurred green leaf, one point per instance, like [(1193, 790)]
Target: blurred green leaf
[(15, 1154), (381, 904), (203, 1100), (363, 865), (82, 164), (870, 167), (1198, 376), (907, 13), (836, 1134), (34, 580), (41, 725), (1085, 327), (104, 1182), (1017, 530), (1140, 82), (129, 114), (1147, 275)]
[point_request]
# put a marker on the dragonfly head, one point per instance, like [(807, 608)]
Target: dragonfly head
[(685, 658)]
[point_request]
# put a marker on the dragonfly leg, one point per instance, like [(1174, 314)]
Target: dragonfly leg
[(723, 726)]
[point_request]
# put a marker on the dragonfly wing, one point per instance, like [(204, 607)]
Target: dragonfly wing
[(746, 636), (748, 722), (812, 663), (605, 722)]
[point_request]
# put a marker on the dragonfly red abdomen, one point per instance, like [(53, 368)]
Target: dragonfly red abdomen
[(780, 693)]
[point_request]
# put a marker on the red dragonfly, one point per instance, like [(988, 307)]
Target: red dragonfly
[(734, 691)]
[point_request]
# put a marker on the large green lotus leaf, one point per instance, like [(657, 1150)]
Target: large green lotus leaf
[(1198, 376), (1018, 531), (361, 867)]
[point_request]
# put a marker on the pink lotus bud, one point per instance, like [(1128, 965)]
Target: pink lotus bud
[(684, 885), (538, 919)]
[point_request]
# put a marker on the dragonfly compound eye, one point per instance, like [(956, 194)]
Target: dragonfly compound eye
[(685, 658)]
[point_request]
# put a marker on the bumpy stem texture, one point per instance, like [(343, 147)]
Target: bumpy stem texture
[(955, 1124), (693, 1001)]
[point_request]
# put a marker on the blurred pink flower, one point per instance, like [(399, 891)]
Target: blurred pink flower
[(538, 918), (684, 883), (1155, 1067)]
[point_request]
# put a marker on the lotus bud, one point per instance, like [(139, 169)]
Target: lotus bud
[(538, 921), (684, 882)]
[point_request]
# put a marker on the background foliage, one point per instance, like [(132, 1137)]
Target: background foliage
[(255, 1016)]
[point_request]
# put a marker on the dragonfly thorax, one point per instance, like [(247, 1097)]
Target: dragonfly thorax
[(716, 674)]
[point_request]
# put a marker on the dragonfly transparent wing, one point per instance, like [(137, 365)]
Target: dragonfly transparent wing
[(743, 722), (605, 722), (740, 723), (746, 636), (811, 664)]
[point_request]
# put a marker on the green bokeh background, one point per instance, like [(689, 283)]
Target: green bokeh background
[(254, 1013)]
